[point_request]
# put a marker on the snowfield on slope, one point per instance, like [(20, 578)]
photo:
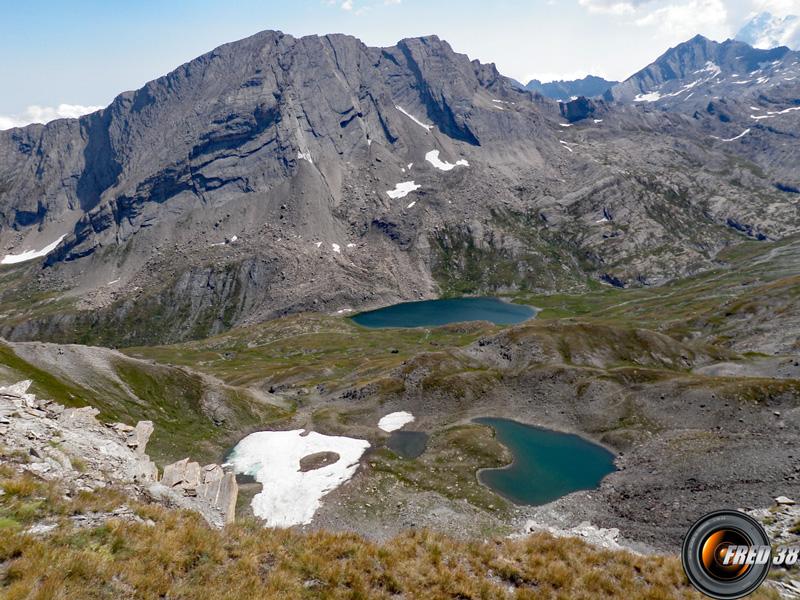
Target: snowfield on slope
[(650, 97), (413, 118), (11, 259), (290, 496), (433, 158), (396, 420), (774, 113), (733, 139), (403, 189)]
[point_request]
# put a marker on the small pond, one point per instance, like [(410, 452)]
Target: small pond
[(407, 444), (547, 464)]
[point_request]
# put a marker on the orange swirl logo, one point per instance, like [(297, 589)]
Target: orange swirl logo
[(726, 555)]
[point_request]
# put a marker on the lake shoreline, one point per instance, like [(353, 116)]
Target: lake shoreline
[(557, 428), (551, 445), (446, 311)]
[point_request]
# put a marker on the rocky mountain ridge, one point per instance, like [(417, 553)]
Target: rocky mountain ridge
[(589, 86), (280, 174)]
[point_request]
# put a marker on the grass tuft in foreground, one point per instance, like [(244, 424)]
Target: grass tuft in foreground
[(174, 554)]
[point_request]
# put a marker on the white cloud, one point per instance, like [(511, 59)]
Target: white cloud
[(685, 19), (768, 31), (681, 19), (347, 5), (611, 7), (45, 114), (779, 8)]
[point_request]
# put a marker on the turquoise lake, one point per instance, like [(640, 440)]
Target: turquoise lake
[(547, 464), (432, 313)]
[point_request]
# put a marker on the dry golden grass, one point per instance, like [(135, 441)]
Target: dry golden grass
[(181, 557)]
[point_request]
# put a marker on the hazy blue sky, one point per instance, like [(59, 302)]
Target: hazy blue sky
[(84, 52)]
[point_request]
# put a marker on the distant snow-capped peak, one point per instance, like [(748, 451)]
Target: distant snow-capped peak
[(767, 31)]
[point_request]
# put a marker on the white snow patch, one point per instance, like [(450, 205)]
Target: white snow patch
[(771, 114), (413, 118), (318, 244), (409, 165), (351, 245), (289, 496), (710, 68), (336, 248), (566, 124), (403, 189), (412, 204), (12, 259), (305, 156), (598, 120), (433, 158), (566, 145), (396, 420), (738, 137), (603, 220), (113, 282), (650, 97)]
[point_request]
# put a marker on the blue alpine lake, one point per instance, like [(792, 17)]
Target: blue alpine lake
[(547, 464), (432, 313)]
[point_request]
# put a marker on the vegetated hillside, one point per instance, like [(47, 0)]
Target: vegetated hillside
[(82, 516), (106, 545), (194, 415), (672, 379), (277, 174)]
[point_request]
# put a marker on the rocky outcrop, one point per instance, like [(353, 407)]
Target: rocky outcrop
[(209, 487), (782, 524), (70, 443), (578, 109), (71, 446)]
